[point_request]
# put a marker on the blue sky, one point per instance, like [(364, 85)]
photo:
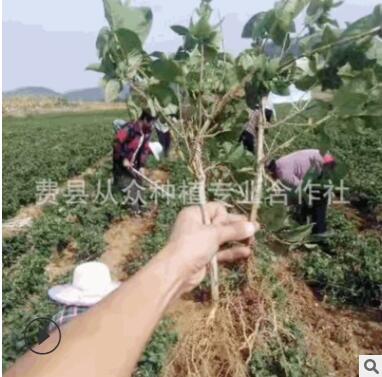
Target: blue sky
[(49, 42)]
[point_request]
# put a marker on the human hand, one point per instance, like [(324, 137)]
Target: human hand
[(127, 163), (193, 244)]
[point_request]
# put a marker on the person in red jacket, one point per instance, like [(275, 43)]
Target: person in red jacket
[(130, 153)]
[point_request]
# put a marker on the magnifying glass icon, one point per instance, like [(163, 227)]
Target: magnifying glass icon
[(371, 366)]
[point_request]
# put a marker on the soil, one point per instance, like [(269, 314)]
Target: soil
[(365, 221), (336, 336), (61, 262), (122, 239)]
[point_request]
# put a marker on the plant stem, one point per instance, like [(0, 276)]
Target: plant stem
[(293, 138), (260, 164), (330, 45), (197, 164), (220, 105)]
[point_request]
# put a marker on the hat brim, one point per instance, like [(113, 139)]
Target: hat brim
[(67, 294)]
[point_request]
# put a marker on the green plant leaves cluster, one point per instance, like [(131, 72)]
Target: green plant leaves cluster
[(201, 33), (352, 272), (125, 17), (120, 45), (276, 24)]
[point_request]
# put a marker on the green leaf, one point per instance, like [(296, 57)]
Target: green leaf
[(298, 234), (96, 67), (256, 26), (166, 70), (128, 40), (112, 90), (158, 54), (290, 9), (163, 94), (102, 42), (280, 87), (375, 51), (285, 12), (365, 23), (329, 35), (349, 103), (123, 16), (245, 62), (181, 30), (273, 218)]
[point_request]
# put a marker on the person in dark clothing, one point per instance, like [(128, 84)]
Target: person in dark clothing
[(268, 115), (130, 153), (248, 136), (164, 136)]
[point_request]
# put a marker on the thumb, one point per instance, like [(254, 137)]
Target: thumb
[(235, 231)]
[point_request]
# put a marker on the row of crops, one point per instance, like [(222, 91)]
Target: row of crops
[(349, 274), (26, 256), (50, 147), (257, 329)]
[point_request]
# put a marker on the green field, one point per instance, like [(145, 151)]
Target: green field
[(348, 271), (52, 146)]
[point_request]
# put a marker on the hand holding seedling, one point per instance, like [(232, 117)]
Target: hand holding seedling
[(193, 244)]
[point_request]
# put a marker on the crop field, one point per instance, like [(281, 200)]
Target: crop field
[(347, 272), (50, 147), (28, 105), (302, 304)]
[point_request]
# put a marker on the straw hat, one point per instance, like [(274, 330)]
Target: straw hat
[(157, 149), (91, 283)]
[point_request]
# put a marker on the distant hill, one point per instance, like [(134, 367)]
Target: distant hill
[(84, 95), (87, 95), (35, 91), (92, 95)]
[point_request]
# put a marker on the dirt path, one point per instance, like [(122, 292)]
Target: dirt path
[(27, 215), (122, 238), (336, 336)]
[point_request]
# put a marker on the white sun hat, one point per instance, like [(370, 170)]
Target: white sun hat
[(91, 283), (157, 149)]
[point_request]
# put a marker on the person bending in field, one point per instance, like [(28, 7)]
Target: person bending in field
[(164, 135), (291, 171), (248, 136), (130, 153)]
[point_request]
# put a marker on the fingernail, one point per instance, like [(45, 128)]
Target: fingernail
[(250, 228)]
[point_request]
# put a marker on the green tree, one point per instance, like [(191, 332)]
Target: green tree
[(211, 91)]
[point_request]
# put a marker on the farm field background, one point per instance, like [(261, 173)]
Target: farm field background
[(348, 272), (50, 147), (304, 304)]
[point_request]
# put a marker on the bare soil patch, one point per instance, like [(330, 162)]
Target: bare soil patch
[(336, 336)]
